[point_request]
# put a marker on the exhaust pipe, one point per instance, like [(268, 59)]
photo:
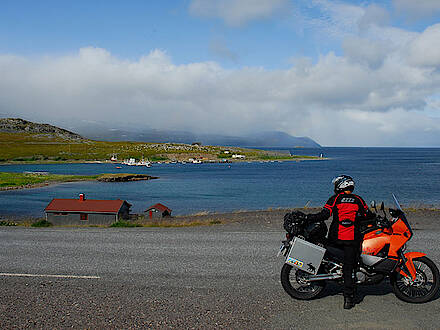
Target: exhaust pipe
[(323, 277)]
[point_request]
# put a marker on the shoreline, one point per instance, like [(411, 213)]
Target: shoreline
[(229, 161), (104, 177)]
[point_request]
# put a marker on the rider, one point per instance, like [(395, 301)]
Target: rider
[(348, 210)]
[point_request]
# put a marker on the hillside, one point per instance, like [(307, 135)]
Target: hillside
[(261, 139), (21, 140), (18, 125)]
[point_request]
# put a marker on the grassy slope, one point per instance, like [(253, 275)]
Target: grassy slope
[(8, 179), (44, 147)]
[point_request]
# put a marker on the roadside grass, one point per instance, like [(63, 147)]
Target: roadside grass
[(122, 223), (170, 224), (165, 223), (7, 223), (200, 213), (42, 223)]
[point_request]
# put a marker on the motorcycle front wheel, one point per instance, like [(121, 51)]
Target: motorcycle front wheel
[(295, 283), (423, 288)]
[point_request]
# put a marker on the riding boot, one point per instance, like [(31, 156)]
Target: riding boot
[(348, 302)]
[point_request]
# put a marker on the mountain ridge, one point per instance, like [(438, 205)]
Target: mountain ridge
[(102, 133), (261, 139), (18, 125)]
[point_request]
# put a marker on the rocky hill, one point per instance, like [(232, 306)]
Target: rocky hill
[(18, 125)]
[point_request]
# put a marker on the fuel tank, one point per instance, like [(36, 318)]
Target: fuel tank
[(376, 243)]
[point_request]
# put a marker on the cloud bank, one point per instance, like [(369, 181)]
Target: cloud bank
[(383, 89)]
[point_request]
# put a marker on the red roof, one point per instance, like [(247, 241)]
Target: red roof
[(87, 205), (160, 207)]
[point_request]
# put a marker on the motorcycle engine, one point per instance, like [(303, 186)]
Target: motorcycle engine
[(360, 277)]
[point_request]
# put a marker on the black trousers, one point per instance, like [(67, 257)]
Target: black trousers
[(351, 257)]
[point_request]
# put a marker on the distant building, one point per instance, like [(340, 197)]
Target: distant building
[(158, 211), (86, 211), (236, 156)]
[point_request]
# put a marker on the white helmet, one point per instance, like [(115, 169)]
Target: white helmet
[(343, 183)]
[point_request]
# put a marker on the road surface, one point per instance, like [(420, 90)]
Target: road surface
[(222, 276)]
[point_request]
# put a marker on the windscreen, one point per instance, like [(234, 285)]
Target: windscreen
[(397, 203), (403, 214)]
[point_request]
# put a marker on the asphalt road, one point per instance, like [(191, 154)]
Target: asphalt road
[(224, 276)]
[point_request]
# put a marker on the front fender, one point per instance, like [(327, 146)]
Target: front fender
[(409, 264)]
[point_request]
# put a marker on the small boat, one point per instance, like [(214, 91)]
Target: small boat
[(130, 162), (143, 162), (118, 167)]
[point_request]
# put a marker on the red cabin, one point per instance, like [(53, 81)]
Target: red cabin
[(158, 211)]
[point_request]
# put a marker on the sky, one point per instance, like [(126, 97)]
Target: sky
[(344, 73)]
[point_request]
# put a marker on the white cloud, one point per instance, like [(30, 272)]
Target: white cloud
[(375, 94), (396, 127), (417, 9), (374, 15), (366, 51), (237, 12), (425, 49)]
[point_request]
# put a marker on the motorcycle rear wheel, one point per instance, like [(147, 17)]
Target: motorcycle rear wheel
[(423, 288), (295, 284)]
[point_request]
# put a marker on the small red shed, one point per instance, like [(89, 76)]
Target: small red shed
[(158, 211)]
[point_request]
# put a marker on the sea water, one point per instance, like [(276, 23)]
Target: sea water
[(413, 174)]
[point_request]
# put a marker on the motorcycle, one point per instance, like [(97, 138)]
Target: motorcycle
[(413, 276)]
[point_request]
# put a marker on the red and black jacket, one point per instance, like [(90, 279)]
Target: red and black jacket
[(347, 210)]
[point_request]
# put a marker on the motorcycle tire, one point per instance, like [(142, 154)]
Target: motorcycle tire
[(417, 291), (306, 290)]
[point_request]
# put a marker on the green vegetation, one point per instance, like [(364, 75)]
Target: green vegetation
[(162, 223), (122, 223), (10, 179), (8, 223), (123, 177), (41, 223), (158, 158), (36, 147)]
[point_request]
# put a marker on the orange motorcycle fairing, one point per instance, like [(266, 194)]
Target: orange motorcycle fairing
[(410, 264)]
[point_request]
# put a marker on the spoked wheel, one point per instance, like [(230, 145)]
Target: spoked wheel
[(295, 283), (423, 288)]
